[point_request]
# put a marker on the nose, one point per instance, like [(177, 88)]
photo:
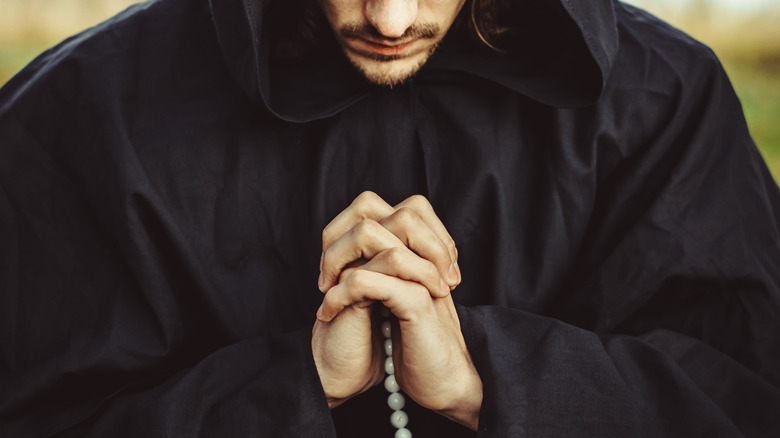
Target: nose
[(391, 17)]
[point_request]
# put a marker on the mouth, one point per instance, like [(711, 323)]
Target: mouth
[(395, 50)]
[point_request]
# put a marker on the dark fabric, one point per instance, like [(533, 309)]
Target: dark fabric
[(164, 182)]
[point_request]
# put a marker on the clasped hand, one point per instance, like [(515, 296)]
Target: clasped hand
[(401, 257)]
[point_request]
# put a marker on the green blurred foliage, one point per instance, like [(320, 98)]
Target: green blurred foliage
[(746, 38), (14, 56), (759, 90), (748, 44)]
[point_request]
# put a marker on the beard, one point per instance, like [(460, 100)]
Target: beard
[(388, 70)]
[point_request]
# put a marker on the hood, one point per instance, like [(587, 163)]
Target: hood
[(559, 53)]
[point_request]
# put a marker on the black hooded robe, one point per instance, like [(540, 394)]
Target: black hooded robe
[(164, 181)]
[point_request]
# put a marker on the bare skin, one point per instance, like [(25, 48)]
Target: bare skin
[(403, 257), (388, 41), (400, 256)]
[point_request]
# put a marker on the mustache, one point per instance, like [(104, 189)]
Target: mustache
[(368, 32)]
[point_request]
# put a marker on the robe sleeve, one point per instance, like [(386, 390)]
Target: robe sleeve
[(87, 351), (543, 377), (96, 343), (683, 263)]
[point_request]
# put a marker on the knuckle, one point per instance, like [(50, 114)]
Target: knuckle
[(419, 202), (367, 195), (365, 201), (343, 275), (406, 217), (334, 302), (359, 279), (366, 229), (431, 274), (393, 256), (440, 253), (451, 248)]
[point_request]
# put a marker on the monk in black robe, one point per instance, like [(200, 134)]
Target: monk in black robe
[(166, 178)]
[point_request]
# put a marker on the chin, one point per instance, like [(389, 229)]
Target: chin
[(389, 73)]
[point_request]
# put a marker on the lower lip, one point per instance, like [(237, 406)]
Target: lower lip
[(387, 50)]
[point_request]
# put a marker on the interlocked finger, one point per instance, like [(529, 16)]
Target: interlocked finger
[(363, 241), (354, 235), (368, 205), (406, 224), (406, 265), (424, 209), (405, 299)]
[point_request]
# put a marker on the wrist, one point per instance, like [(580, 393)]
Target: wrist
[(333, 402), (467, 402), (338, 387)]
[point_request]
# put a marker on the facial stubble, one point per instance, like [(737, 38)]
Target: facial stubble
[(386, 75)]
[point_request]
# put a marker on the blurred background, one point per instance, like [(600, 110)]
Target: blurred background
[(744, 33)]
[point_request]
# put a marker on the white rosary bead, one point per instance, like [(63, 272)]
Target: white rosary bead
[(403, 433), (391, 385), (386, 329), (396, 401), (399, 419)]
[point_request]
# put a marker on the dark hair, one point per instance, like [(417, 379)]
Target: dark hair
[(485, 23), (298, 25)]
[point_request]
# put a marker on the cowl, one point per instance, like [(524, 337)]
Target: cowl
[(558, 52)]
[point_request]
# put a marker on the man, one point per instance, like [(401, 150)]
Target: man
[(592, 249)]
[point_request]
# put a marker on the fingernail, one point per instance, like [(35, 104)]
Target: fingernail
[(453, 274), (319, 313), (322, 257), (321, 281)]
